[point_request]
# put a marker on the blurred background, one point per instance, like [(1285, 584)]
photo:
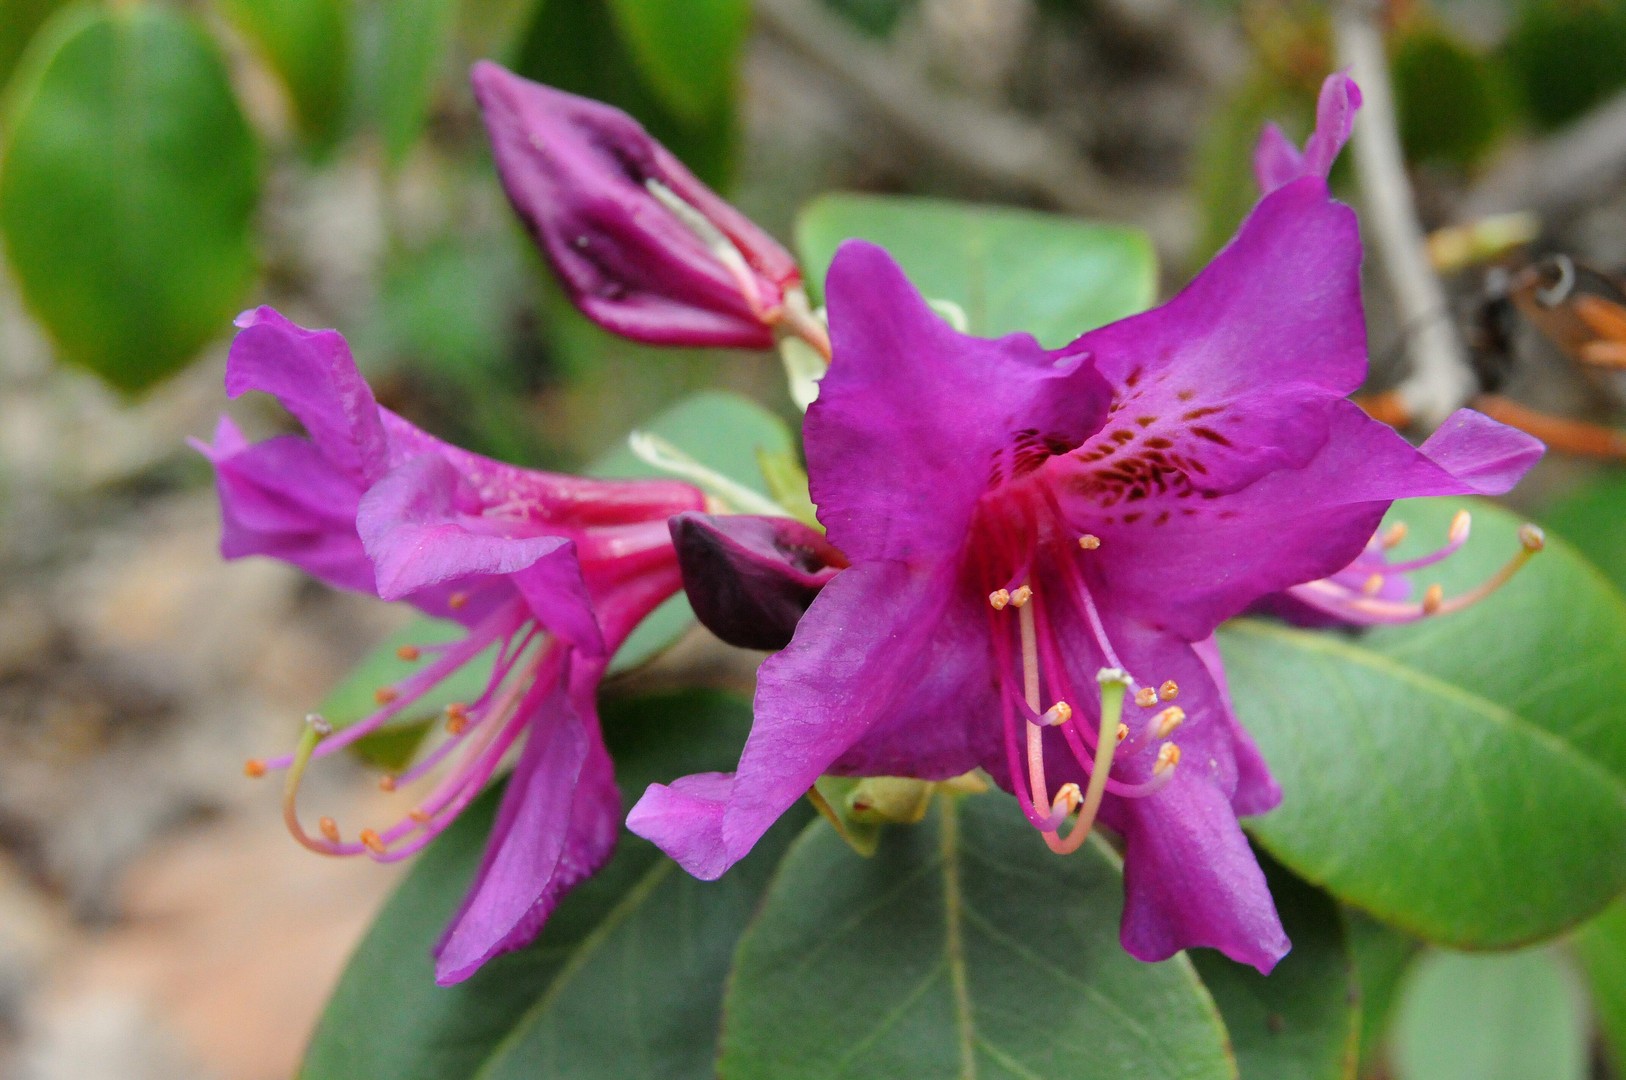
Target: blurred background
[(164, 165)]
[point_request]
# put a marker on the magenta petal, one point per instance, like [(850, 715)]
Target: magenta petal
[(1191, 880), (915, 420), (1276, 161), (422, 526), (557, 826), (1334, 123), (1257, 791), (851, 661), (314, 376), (1488, 457)]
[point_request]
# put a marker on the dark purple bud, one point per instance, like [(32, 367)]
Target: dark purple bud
[(749, 579), (644, 248)]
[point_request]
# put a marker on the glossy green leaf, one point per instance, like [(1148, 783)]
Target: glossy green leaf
[(688, 49), (1460, 778), (128, 189), (307, 43), (724, 432), (1054, 277), (1601, 946), (415, 36), (1515, 1016), (1301, 1021), (19, 20), (626, 978), (577, 45), (1593, 519), (962, 948)]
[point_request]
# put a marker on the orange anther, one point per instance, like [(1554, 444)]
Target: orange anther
[(457, 723), (386, 783), (330, 829), (419, 816), (1089, 541), (385, 694), (1433, 598), (373, 842), (1146, 697), (253, 768), (408, 653), (1169, 690), (1123, 732), (457, 600)]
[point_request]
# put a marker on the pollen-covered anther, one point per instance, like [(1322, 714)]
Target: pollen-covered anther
[(1372, 585), (329, 829), (1122, 733), (1461, 523), (1146, 697), (408, 653), (386, 783), (1433, 598), (1169, 690), (1168, 756), (1164, 723), (318, 723), (1393, 535), (457, 723), (1059, 713), (1068, 798), (420, 816), (457, 600), (1531, 538), (385, 694), (999, 598), (1020, 596), (373, 842), (1089, 541)]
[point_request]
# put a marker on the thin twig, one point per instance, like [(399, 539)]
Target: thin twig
[(993, 145), (1441, 379)]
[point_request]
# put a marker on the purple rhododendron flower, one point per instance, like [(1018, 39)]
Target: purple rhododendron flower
[(547, 573), (1021, 521), (1276, 161), (643, 248)]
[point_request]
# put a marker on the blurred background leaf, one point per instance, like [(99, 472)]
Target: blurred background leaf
[(19, 19), (307, 43), (128, 189), (414, 44)]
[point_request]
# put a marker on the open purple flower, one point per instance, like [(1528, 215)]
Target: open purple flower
[(643, 248), (1022, 522), (1276, 161), (547, 573)]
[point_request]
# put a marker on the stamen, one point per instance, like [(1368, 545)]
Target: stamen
[(1059, 713), (1169, 690), (1460, 524), (1114, 685), (420, 816), (1021, 596), (1068, 799), (372, 842), (386, 783), (330, 829), (1089, 541), (408, 653), (1122, 733), (1372, 585), (1393, 535), (385, 694), (998, 599), (318, 723), (457, 601), (253, 768), (1168, 756), (1164, 723), (1146, 697), (1433, 597)]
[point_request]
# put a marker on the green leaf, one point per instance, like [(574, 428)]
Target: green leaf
[(128, 190), (629, 968), (1382, 955), (963, 948), (307, 43), (1565, 56), (722, 431), (1594, 520), (1601, 946), (1458, 778), (19, 19), (1508, 1017), (1450, 99), (1301, 1021), (1054, 277), (688, 49), (416, 35)]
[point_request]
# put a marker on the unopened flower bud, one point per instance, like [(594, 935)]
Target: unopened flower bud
[(643, 248)]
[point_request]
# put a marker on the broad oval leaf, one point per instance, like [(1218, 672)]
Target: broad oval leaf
[(1301, 1021), (19, 19), (1507, 1017), (628, 969), (689, 50), (1460, 778), (127, 190), (307, 43), (1010, 270), (962, 948)]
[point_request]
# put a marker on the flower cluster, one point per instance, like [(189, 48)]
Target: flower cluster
[(1025, 552)]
